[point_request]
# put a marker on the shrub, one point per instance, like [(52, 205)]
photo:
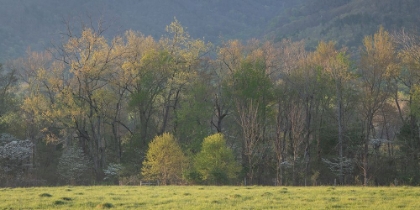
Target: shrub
[(164, 160), (73, 165), (215, 161)]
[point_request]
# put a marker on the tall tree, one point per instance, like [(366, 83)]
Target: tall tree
[(291, 56), (377, 68), (8, 81), (73, 95), (184, 55), (251, 94), (406, 94), (336, 64)]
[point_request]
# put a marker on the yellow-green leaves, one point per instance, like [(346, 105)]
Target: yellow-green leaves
[(215, 162), (164, 160), (378, 56)]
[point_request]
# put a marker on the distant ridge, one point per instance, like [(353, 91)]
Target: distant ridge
[(33, 24), (344, 21)]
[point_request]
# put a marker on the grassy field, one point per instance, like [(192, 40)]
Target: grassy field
[(210, 197)]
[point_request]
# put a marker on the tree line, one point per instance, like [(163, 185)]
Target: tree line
[(250, 112)]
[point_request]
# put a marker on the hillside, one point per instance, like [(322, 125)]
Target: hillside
[(345, 21), (34, 24)]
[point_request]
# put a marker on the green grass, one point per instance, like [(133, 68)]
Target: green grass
[(210, 197)]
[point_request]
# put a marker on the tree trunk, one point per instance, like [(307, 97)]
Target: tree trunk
[(366, 150), (340, 129)]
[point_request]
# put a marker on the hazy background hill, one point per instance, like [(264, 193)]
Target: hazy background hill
[(34, 23), (345, 21)]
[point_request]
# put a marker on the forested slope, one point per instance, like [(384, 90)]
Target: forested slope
[(344, 21), (34, 24)]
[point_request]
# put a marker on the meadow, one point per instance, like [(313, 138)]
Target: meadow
[(210, 197)]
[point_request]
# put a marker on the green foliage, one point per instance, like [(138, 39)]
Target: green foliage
[(152, 78), (415, 105), (152, 75), (165, 160), (251, 81), (8, 101), (193, 116), (215, 162), (408, 161)]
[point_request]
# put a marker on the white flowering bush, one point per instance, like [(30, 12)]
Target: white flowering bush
[(113, 172), (15, 159), (73, 166), (340, 168)]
